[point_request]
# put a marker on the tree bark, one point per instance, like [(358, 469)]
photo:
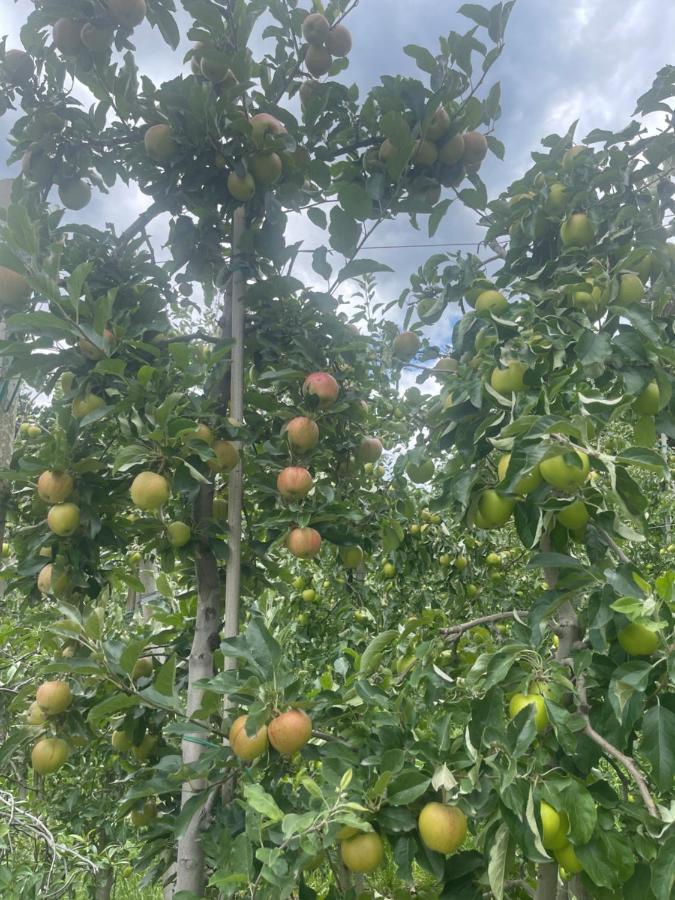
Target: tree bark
[(105, 880), (547, 881), (9, 391)]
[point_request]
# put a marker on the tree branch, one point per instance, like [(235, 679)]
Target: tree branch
[(155, 209), (455, 632)]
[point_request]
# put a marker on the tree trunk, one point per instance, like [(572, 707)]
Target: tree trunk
[(547, 881), (9, 392), (105, 880)]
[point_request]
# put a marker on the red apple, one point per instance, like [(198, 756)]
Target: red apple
[(304, 543), (323, 386), (294, 482)]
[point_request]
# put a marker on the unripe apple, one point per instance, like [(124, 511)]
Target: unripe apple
[(121, 741), (638, 640), (143, 668), (475, 148), (214, 65), (565, 471), (64, 519), (14, 289), (577, 231), (48, 755), (527, 483), (460, 563), (510, 379), (338, 41), (631, 289), (35, 715), (243, 746), (299, 582), (19, 67), (351, 557), (493, 560), (201, 433), (362, 853), (242, 187), (556, 200), (323, 386), (647, 403), (54, 697), (227, 457), (178, 534), (570, 155), (34, 431), (294, 483), (304, 543), (442, 827), (446, 364), (425, 153), (405, 345), (554, 827), (575, 516), (444, 560), (266, 168), (144, 815), (66, 36), (55, 486), (309, 595), (369, 450), (74, 193), (315, 29), (568, 859), (471, 590), (149, 490), (127, 13), (160, 144), (143, 750), (290, 731), (318, 60), (302, 433), (491, 302), (494, 509), (84, 406), (520, 701), (389, 570)]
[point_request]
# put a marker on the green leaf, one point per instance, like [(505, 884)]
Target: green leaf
[(12, 743), (607, 858), (264, 649), (658, 744), (554, 561), (395, 127), (320, 263), (438, 215), (359, 267), (643, 458), (407, 787), (663, 869), (258, 798), (479, 14), (164, 680), (371, 656), (355, 201), (425, 61), (581, 810), (344, 232), (497, 860), (110, 707)]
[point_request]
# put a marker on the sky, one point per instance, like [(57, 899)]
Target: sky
[(577, 59)]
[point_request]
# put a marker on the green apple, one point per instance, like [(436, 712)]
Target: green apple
[(520, 701), (566, 471)]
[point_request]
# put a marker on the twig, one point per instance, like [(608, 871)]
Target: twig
[(155, 209), (456, 631), (612, 544)]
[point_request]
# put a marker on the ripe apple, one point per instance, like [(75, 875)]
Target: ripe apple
[(48, 755), (246, 747), (48, 585), (19, 67), (647, 403), (339, 41), (389, 570), (262, 124), (14, 289), (74, 193), (64, 519), (266, 167), (575, 516), (438, 126), (491, 302), (144, 815), (577, 231), (315, 29), (554, 826), (527, 483), (369, 450), (149, 490), (475, 148), (294, 483), (202, 432), (290, 731), (520, 701), (442, 828), (362, 853), (160, 144), (565, 471), (493, 509), (631, 289), (66, 36), (302, 433), (55, 486), (510, 379), (638, 640), (452, 150), (425, 153), (84, 406), (318, 60), (446, 364), (351, 557), (568, 859), (241, 187), (406, 344), (309, 89), (127, 13), (121, 741), (98, 40), (178, 534), (323, 386), (304, 543), (35, 715), (227, 457), (54, 697)]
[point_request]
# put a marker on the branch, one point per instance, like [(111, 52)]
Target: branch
[(195, 336), (626, 761), (612, 544), (455, 632), (155, 209)]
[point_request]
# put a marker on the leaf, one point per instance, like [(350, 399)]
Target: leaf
[(394, 127), (474, 11), (355, 201), (554, 561), (437, 216), (643, 458), (663, 869), (371, 656), (581, 810), (594, 348), (607, 858), (110, 707), (497, 860), (264, 649), (12, 743), (344, 232), (406, 787), (658, 744), (425, 61), (258, 798), (358, 267), (164, 680)]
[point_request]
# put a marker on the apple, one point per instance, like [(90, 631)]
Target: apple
[(35, 715), (318, 60), (369, 450), (577, 231), (266, 167), (263, 124), (14, 289), (309, 90), (5, 550), (127, 13), (452, 150), (351, 557), (520, 701), (48, 755), (475, 148), (19, 67), (362, 853), (244, 746), (554, 826), (387, 151), (509, 380), (493, 509), (84, 406), (160, 144), (121, 741), (98, 40), (471, 590), (425, 153), (647, 403), (493, 560), (491, 302), (290, 731), (415, 529), (54, 697), (143, 668), (54, 486), (304, 543), (242, 187), (527, 483), (438, 126), (294, 483), (442, 827), (64, 519), (638, 640), (405, 345), (565, 471), (149, 491), (422, 473), (444, 560), (74, 193), (631, 289), (446, 364), (568, 859), (309, 595), (202, 432), (575, 516), (227, 457), (323, 386), (338, 41), (48, 585), (315, 29), (178, 534), (214, 65), (144, 815), (143, 750), (557, 199), (570, 155), (389, 570), (460, 563), (66, 36), (299, 582), (302, 433)]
